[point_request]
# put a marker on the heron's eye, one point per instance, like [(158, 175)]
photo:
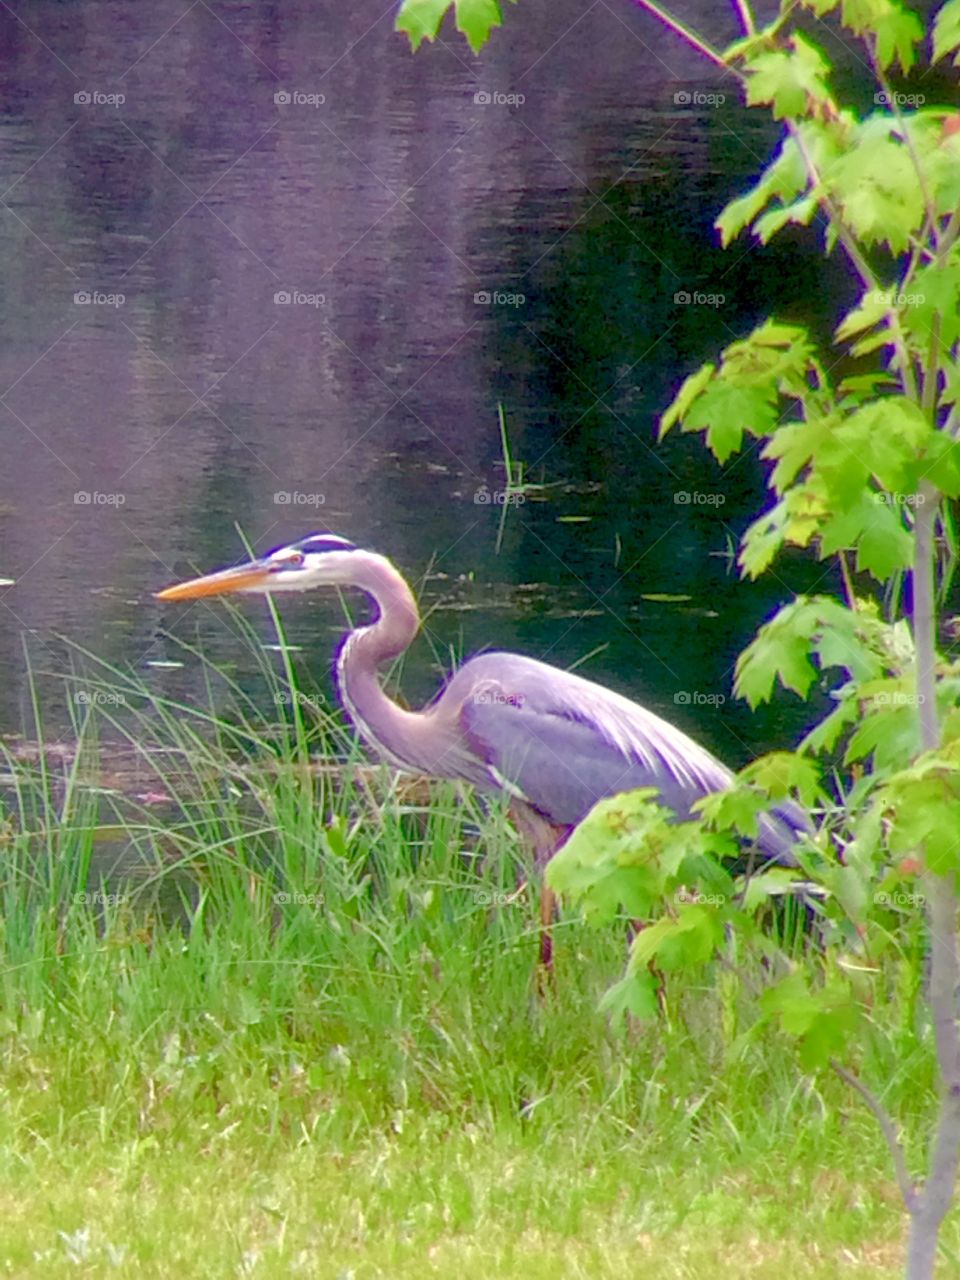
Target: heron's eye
[(292, 561)]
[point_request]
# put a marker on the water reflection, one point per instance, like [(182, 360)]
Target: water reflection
[(303, 338)]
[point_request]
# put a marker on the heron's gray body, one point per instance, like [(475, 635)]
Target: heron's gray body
[(558, 743), (553, 741)]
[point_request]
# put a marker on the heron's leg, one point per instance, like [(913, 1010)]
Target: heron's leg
[(633, 928), (546, 837), (548, 911)]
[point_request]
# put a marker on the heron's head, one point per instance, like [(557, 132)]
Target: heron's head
[(321, 559)]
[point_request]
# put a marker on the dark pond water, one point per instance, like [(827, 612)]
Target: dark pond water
[(189, 166)]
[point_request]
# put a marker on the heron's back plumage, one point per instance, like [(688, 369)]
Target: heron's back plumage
[(560, 743)]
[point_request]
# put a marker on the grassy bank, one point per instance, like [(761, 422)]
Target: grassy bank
[(294, 1032)]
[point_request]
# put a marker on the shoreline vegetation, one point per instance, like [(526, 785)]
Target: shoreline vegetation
[(267, 1016)]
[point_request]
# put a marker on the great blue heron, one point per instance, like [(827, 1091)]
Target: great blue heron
[(554, 742)]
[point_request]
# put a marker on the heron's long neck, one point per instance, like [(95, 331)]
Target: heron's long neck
[(402, 737)]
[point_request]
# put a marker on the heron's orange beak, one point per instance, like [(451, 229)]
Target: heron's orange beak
[(218, 584)]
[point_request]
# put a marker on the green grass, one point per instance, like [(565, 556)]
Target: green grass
[(304, 1039)]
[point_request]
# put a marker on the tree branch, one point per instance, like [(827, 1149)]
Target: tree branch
[(885, 1121), (688, 34)]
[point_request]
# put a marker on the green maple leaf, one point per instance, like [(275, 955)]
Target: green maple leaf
[(941, 464), (421, 20), (946, 32), (897, 32), (863, 16), (800, 212), (784, 179), (933, 303), (635, 994), (788, 81), (780, 651), (876, 529), (877, 189), (684, 398), (476, 19), (794, 444), (724, 411), (870, 310), (780, 772)]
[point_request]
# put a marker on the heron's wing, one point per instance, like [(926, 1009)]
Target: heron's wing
[(561, 743)]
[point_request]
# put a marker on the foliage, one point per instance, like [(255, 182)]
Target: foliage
[(475, 19), (863, 447), (284, 1024)]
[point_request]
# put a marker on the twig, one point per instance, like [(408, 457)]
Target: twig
[(885, 1121), (688, 34), (746, 17), (863, 268)]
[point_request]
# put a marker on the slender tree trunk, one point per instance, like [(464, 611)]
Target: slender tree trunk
[(934, 1200)]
